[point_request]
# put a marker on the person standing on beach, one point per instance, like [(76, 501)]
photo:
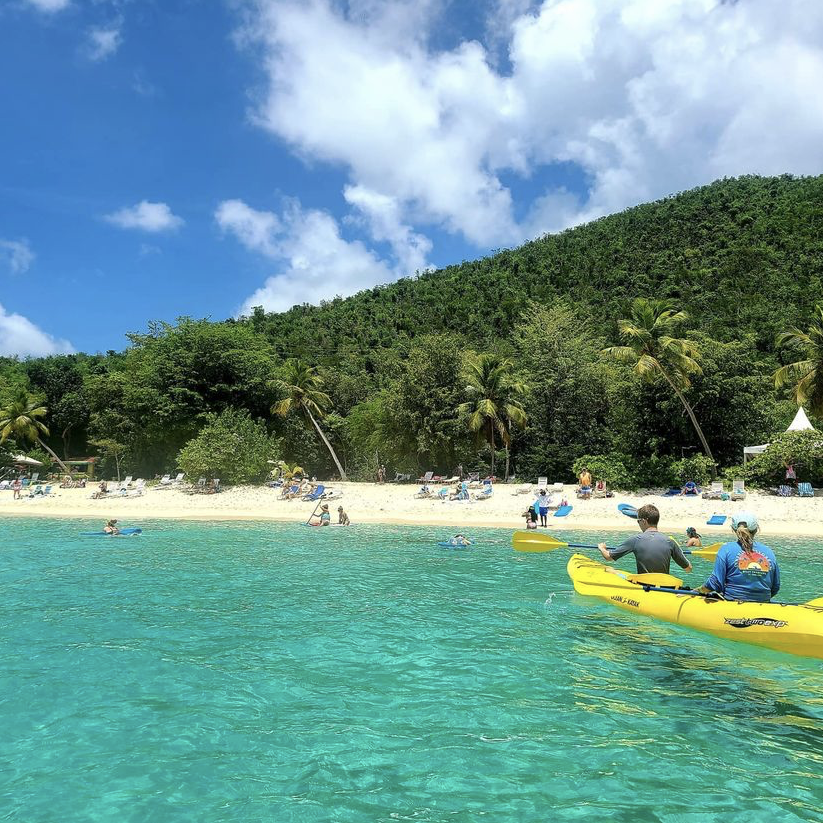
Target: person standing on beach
[(543, 503), (16, 486), (653, 552)]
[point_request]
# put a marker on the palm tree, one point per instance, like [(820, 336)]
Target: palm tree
[(20, 419), (302, 389), (496, 399), (654, 353), (805, 375)]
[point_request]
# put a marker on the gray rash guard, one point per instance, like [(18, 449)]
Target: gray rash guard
[(653, 552)]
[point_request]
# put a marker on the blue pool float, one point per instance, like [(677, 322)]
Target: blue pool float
[(121, 532), (627, 509)]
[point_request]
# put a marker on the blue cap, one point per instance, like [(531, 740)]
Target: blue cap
[(745, 517)]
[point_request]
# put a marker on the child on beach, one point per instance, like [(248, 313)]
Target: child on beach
[(342, 517)]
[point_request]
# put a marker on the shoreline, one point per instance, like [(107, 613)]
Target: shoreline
[(387, 504)]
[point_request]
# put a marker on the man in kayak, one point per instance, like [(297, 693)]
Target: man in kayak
[(111, 527), (744, 569), (653, 552)]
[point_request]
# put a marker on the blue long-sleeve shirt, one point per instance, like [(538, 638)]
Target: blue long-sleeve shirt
[(753, 577)]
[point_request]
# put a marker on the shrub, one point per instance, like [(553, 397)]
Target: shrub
[(697, 468), (803, 450), (230, 446), (653, 471), (610, 468)]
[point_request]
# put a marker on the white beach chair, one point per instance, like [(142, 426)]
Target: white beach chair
[(739, 490), (179, 479), (139, 488), (165, 480), (542, 482)]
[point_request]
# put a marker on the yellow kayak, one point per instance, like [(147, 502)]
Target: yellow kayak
[(794, 629)]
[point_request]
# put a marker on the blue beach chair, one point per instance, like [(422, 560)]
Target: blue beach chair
[(805, 490), (315, 495)]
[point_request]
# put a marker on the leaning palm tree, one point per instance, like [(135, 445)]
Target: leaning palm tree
[(496, 403), (805, 376), (654, 353), (301, 388), (19, 418)]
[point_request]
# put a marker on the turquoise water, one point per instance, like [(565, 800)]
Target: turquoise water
[(255, 672)]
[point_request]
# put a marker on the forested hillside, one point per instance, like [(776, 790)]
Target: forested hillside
[(743, 257)]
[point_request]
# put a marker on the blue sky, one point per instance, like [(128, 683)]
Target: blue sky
[(176, 158)]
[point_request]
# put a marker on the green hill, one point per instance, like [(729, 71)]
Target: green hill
[(744, 257)]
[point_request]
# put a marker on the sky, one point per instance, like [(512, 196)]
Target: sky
[(162, 158)]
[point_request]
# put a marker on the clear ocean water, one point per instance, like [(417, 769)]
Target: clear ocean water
[(262, 672)]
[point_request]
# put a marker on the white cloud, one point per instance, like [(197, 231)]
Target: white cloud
[(314, 261), (19, 336), (16, 254), (646, 97), (49, 5), (146, 216), (104, 42)]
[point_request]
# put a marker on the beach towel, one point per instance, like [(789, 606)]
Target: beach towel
[(563, 511), (716, 520), (627, 509)]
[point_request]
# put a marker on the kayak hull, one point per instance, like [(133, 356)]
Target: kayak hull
[(795, 629)]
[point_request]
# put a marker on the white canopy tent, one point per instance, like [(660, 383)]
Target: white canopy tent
[(799, 424)]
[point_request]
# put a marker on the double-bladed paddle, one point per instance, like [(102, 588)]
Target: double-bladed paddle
[(532, 542)]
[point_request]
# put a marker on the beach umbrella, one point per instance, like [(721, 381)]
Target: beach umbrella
[(22, 460)]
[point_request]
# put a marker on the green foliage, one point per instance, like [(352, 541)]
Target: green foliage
[(610, 468), (697, 468), (803, 450), (805, 376), (232, 447), (743, 258)]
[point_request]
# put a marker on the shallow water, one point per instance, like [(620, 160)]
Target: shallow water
[(256, 672)]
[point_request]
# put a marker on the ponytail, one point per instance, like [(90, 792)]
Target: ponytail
[(745, 538)]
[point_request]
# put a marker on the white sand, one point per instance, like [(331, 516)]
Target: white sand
[(389, 503)]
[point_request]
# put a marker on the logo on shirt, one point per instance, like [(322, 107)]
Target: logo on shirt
[(753, 564), (745, 622)]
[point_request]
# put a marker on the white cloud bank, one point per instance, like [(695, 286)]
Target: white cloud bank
[(315, 262), (146, 216), (103, 42), (646, 97), (16, 254), (19, 336), (49, 5)]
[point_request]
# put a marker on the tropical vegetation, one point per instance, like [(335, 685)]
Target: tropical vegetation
[(705, 304)]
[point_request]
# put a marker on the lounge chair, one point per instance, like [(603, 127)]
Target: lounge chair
[(5, 484), (805, 490), (165, 480), (35, 477), (738, 490), (542, 482), (290, 491), (36, 490), (556, 488), (426, 478), (423, 493), (332, 494), (715, 491), (600, 490), (785, 491), (315, 494), (486, 493), (138, 490), (522, 490)]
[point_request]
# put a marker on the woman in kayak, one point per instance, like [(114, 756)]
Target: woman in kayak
[(111, 527), (693, 541), (744, 569)]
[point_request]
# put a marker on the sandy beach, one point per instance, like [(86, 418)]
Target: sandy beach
[(390, 503)]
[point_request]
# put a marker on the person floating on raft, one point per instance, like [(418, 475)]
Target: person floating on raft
[(744, 569)]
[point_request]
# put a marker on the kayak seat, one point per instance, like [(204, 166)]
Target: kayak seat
[(668, 581)]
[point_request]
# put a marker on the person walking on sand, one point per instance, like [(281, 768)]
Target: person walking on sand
[(653, 552)]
